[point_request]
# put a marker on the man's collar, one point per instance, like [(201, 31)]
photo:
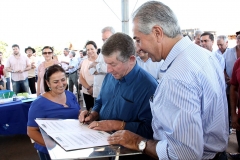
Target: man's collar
[(178, 48), (130, 77)]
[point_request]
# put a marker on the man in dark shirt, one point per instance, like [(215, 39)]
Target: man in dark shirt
[(123, 102)]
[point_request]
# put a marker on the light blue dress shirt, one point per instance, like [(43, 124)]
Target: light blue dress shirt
[(230, 57), (220, 59), (73, 62), (189, 108), (151, 67)]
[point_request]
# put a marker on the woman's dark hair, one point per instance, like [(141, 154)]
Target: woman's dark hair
[(48, 47), (49, 71), (84, 53), (92, 43)]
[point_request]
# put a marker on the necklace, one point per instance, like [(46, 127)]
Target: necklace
[(65, 105), (56, 100)]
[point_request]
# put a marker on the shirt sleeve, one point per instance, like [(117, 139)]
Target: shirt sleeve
[(28, 61), (233, 80), (101, 67), (7, 63), (36, 110), (177, 121), (142, 126)]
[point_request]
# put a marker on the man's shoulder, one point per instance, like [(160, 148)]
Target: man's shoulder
[(144, 76)]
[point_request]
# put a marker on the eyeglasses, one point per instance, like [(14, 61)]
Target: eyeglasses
[(204, 41), (44, 53)]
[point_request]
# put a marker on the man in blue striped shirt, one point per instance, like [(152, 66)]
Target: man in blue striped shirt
[(189, 107)]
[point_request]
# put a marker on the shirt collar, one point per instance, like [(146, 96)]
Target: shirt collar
[(149, 59), (130, 77), (178, 48)]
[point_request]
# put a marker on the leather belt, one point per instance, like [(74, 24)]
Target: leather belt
[(73, 72)]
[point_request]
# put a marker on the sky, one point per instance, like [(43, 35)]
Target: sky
[(61, 22)]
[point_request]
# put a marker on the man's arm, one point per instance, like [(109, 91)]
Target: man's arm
[(233, 104), (227, 79), (27, 68), (74, 64), (65, 62), (131, 140)]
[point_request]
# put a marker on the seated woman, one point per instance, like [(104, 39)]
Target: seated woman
[(56, 102)]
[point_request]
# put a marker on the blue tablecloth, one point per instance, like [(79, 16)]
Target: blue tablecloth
[(14, 117), (4, 91)]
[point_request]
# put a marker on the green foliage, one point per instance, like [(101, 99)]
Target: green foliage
[(3, 46)]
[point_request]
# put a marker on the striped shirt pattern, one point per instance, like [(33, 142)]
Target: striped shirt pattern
[(190, 113)]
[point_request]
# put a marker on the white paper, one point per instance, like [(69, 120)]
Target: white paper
[(71, 135)]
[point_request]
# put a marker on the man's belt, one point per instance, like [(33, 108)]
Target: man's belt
[(73, 72)]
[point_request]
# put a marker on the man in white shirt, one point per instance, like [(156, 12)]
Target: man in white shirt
[(197, 36), (99, 65), (145, 62), (18, 64), (72, 69), (222, 43), (207, 40), (65, 60)]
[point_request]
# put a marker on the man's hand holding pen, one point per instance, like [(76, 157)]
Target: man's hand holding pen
[(87, 116)]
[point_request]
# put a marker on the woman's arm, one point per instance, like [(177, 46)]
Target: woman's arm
[(83, 81), (38, 80), (33, 133), (38, 86)]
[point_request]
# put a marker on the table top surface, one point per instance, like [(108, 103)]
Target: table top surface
[(58, 153)]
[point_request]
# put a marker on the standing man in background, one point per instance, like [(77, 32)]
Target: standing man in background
[(73, 76), (31, 73), (19, 65), (146, 63), (65, 60), (197, 36), (222, 43), (99, 65), (207, 41)]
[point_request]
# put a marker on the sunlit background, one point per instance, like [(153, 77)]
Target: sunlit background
[(60, 23)]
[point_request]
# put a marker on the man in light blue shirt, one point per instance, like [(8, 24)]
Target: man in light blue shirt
[(72, 70), (189, 107), (222, 43), (207, 40), (153, 68)]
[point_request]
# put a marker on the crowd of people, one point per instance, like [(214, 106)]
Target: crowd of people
[(159, 92)]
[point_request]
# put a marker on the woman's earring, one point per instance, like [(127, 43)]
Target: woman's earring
[(50, 88)]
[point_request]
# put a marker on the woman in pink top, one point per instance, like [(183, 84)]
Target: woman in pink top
[(86, 78), (47, 53)]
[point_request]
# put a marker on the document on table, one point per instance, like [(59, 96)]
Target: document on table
[(71, 135)]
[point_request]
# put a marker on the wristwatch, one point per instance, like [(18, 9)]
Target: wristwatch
[(142, 145)]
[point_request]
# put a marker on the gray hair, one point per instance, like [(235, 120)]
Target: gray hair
[(73, 53), (119, 42), (197, 32), (223, 37), (108, 28), (156, 13)]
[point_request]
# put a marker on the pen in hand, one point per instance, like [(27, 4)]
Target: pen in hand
[(88, 113)]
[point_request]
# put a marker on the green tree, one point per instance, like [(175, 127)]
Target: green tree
[(3, 49)]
